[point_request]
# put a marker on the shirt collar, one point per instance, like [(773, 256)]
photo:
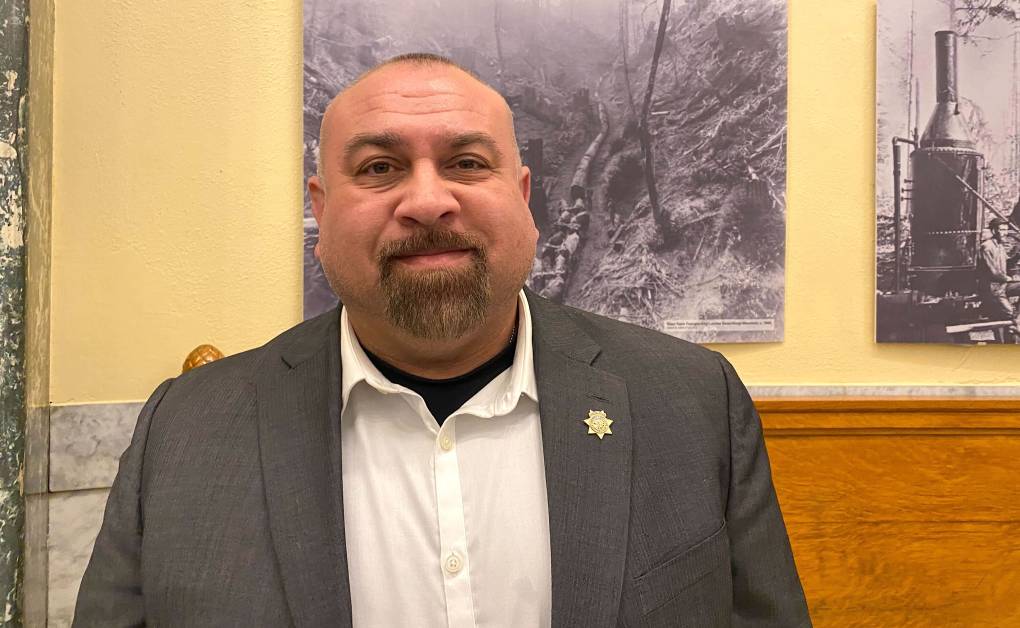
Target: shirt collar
[(356, 367)]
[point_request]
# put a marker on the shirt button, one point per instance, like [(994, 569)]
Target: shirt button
[(446, 443), (453, 564)]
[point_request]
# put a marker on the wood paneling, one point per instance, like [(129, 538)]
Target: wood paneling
[(901, 512)]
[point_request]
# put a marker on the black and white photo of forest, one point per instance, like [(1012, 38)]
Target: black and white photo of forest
[(655, 131)]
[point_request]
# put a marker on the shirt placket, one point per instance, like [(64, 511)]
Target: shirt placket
[(455, 563)]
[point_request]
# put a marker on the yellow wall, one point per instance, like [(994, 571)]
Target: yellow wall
[(176, 187), (177, 199)]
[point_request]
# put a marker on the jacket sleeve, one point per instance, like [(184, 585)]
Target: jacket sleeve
[(995, 271), (766, 589), (111, 590)]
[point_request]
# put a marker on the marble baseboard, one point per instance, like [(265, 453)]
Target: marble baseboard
[(759, 392), (86, 442), (74, 521)]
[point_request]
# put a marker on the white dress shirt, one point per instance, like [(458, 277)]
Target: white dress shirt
[(445, 526)]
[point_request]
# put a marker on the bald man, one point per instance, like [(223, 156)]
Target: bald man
[(446, 448)]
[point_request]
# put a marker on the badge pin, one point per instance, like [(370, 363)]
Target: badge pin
[(598, 423)]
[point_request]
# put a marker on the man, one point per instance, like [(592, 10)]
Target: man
[(996, 285), (536, 279), (446, 450), (555, 286), (572, 240), (565, 216)]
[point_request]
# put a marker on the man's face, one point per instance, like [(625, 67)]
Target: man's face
[(1001, 231), (422, 210)]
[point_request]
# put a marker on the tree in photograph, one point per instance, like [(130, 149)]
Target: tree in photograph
[(644, 133), (967, 15), (624, 45), (498, 27)]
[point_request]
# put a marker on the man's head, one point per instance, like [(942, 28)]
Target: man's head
[(421, 199), (999, 228)]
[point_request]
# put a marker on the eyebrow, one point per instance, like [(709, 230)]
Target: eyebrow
[(460, 140), (385, 139), (390, 140)]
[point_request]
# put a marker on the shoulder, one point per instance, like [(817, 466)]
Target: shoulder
[(626, 348), (231, 376), (673, 386), (209, 414)]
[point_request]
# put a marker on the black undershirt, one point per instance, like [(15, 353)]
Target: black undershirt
[(444, 396)]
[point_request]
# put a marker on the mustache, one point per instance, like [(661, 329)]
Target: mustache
[(429, 240)]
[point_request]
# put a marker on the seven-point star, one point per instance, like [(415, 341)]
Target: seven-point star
[(598, 423)]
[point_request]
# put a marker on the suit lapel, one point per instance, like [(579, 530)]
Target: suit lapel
[(299, 439), (587, 478)]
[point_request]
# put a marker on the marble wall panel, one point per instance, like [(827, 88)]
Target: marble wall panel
[(86, 442), (75, 518)]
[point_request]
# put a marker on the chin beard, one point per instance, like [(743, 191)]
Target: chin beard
[(435, 304), (440, 304)]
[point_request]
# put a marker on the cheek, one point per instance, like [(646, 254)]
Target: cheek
[(525, 228), (517, 234), (350, 231)]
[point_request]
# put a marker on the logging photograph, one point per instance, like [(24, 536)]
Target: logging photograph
[(655, 132), (947, 171)]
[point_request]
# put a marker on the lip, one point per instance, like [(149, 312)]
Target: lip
[(437, 258)]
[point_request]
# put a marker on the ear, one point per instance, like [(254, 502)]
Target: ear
[(525, 186), (525, 183), (317, 194)]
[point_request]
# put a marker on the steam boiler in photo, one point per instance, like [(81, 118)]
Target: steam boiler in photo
[(933, 282)]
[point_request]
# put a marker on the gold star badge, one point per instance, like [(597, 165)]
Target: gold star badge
[(598, 423)]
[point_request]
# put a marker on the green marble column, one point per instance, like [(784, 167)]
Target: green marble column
[(13, 82)]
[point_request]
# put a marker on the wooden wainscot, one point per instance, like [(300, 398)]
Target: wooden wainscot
[(902, 512)]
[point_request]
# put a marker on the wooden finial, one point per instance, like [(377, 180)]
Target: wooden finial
[(202, 354)]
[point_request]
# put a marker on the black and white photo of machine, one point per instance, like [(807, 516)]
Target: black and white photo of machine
[(939, 217)]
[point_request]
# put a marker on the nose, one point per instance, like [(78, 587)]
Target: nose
[(427, 199)]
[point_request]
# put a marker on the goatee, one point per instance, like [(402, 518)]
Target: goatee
[(437, 303)]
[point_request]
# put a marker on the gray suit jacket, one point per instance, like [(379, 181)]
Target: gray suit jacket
[(227, 509)]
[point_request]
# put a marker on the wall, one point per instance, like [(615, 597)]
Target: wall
[(912, 508), (177, 194), (172, 176), (176, 187)]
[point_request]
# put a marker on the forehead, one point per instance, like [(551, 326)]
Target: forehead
[(427, 102)]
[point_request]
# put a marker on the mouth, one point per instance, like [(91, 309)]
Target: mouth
[(434, 258)]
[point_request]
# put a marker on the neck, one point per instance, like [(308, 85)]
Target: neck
[(431, 358)]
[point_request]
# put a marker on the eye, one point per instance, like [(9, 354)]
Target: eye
[(378, 168), (469, 163)]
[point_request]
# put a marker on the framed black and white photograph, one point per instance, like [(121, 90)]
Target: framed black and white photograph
[(948, 162), (655, 132)]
